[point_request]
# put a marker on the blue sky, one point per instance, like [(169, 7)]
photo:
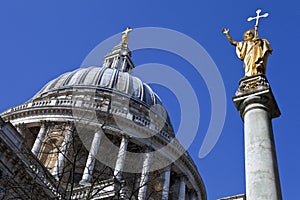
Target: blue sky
[(39, 40)]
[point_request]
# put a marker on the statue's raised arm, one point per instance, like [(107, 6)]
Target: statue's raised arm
[(226, 32), (253, 50)]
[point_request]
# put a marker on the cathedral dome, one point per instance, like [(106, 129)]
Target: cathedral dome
[(101, 80), (106, 79), (107, 113)]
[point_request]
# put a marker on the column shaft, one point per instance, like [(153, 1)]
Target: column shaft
[(167, 176), (121, 158), (90, 163), (58, 168), (182, 189), (39, 140), (144, 177), (262, 179)]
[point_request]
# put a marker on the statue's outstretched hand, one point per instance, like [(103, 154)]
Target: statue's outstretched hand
[(225, 31)]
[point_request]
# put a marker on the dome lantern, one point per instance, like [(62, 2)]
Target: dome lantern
[(120, 56)]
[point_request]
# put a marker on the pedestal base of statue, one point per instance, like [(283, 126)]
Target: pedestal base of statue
[(257, 106)]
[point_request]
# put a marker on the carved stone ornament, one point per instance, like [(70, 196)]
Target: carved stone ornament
[(252, 84)]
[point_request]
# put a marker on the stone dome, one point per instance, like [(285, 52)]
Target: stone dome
[(103, 78), (118, 82)]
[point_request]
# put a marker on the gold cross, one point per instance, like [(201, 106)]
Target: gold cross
[(125, 35), (257, 17)]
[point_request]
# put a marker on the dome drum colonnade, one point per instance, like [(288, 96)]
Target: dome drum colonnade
[(70, 100)]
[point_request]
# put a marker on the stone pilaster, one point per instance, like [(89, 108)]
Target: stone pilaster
[(257, 106)]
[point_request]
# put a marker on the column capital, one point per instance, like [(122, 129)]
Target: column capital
[(255, 89), (167, 168), (20, 126), (45, 122), (127, 137), (70, 126), (99, 127), (147, 149), (183, 178)]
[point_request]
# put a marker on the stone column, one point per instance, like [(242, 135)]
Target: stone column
[(90, 163), (167, 176), (257, 107), (59, 165), (121, 158), (144, 176), (39, 139), (181, 195)]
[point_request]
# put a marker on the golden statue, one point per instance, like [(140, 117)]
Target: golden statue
[(125, 35), (253, 50)]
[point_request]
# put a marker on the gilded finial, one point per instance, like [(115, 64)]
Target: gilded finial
[(125, 36)]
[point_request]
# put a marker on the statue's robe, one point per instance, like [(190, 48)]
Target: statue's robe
[(254, 53)]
